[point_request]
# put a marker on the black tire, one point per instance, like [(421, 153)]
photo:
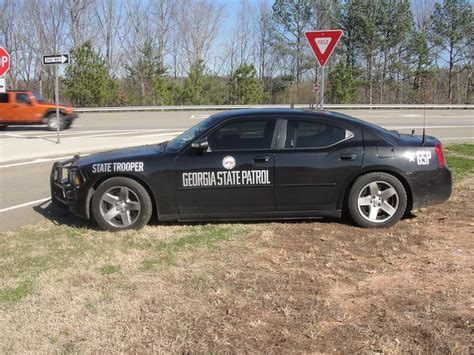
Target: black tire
[(130, 210), (383, 200), (52, 122)]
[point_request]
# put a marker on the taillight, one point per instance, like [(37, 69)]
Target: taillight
[(440, 155)]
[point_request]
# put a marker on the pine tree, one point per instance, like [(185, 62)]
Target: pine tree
[(87, 80), (146, 76), (341, 84), (193, 89), (245, 87)]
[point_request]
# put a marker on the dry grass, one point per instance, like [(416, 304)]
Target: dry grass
[(265, 287)]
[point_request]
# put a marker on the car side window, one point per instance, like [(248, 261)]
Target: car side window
[(3, 98), (305, 134), (22, 98), (239, 135)]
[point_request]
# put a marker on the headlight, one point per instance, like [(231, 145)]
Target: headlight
[(75, 177)]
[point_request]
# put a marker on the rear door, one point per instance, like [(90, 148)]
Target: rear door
[(236, 173), (316, 158), (4, 106)]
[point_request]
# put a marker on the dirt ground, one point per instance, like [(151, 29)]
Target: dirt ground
[(271, 287)]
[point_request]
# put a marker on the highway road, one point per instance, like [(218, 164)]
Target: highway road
[(24, 183)]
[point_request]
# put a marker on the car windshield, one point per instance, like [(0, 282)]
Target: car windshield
[(184, 138), (38, 96)]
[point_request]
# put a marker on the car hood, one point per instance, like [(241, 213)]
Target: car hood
[(117, 155)]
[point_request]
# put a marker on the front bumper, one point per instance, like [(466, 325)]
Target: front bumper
[(62, 191), (430, 187)]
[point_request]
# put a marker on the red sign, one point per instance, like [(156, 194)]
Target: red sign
[(316, 87), (323, 43), (4, 61)]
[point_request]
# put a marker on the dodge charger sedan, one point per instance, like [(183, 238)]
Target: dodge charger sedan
[(259, 164)]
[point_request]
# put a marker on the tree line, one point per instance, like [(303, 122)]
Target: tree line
[(178, 52)]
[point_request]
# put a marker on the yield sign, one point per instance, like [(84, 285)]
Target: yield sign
[(323, 43), (4, 61)]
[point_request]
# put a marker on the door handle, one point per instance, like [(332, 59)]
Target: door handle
[(261, 159), (348, 156)]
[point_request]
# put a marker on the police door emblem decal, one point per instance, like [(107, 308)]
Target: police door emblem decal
[(228, 162)]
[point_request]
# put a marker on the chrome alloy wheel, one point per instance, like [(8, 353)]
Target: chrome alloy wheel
[(53, 122), (120, 206), (378, 201)]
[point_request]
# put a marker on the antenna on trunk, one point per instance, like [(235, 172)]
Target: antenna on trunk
[(424, 121)]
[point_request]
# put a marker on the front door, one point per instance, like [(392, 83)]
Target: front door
[(21, 109), (316, 159), (235, 175)]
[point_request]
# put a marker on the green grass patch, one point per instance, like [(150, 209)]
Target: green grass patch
[(460, 159), (109, 269), (464, 149), (195, 237), (32, 251), (15, 294), (460, 167)]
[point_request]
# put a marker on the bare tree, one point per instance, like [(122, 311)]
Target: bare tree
[(79, 17), (263, 32), (110, 22), (198, 22)]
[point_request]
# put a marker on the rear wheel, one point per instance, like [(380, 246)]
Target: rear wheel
[(53, 122), (121, 203), (377, 200)]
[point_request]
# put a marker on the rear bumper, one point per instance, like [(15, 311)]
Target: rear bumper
[(430, 187), (75, 198)]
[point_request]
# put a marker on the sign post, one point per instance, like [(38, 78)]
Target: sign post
[(56, 59), (323, 44)]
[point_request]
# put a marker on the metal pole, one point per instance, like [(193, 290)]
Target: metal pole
[(57, 104), (321, 107)]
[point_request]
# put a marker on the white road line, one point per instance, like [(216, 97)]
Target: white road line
[(161, 134), (193, 117), (24, 204), (39, 160), (427, 127), (83, 133), (453, 138)]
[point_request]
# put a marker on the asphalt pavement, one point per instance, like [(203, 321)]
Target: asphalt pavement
[(27, 153)]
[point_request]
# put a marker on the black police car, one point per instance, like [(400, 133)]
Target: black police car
[(259, 164)]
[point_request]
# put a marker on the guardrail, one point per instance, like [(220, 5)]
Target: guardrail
[(235, 107)]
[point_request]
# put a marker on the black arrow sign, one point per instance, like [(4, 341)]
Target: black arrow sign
[(56, 59)]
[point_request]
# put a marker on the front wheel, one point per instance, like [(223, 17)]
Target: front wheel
[(121, 203), (377, 200), (53, 122)]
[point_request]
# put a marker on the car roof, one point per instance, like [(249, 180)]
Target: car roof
[(288, 112)]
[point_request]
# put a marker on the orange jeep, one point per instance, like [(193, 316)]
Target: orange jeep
[(29, 108)]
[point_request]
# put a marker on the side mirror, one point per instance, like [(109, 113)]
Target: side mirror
[(29, 102), (201, 145)]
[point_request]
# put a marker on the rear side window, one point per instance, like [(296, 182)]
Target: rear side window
[(305, 134), (22, 98), (3, 98), (255, 134)]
